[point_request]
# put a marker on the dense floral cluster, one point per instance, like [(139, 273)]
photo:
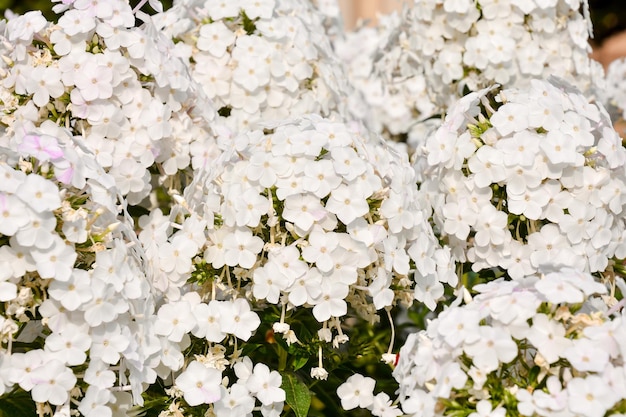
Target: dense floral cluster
[(117, 86), (269, 228), (77, 310), (546, 345), (305, 214), (441, 49), (538, 178), (259, 61), (395, 103)]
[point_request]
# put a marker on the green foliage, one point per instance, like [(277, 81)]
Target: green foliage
[(297, 393), (17, 403), (224, 111), (248, 24)]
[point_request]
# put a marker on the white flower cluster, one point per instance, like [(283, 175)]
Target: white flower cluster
[(71, 281), (202, 383), (304, 214), (542, 346), (316, 215), (395, 102), (194, 316), (614, 95), (117, 86), (539, 178), (259, 61), (440, 49), (358, 391)]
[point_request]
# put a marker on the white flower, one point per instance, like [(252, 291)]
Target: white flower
[(319, 373), (259, 61), (494, 346), (200, 384), (241, 248), (347, 204), (382, 406), (236, 401), (69, 346), (485, 409), (269, 282), (589, 396), (415, 65), (44, 83), (579, 370), (40, 194), (330, 302), (108, 342), (237, 319), (549, 337), (320, 249), (265, 385), (303, 210), (175, 320), (459, 327), (52, 382), (540, 188), (357, 391), (584, 355), (95, 402)]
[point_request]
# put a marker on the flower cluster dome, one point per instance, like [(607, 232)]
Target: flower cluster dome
[(441, 49), (260, 61), (341, 209), (305, 217), (526, 177), (77, 308), (546, 345), (116, 85)]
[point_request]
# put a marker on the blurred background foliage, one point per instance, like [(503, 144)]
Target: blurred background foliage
[(609, 16)]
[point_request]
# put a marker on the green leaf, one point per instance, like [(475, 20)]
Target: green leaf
[(299, 362), (17, 403), (297, 395)]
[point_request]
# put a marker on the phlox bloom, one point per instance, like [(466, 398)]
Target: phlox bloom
[(199, 384)]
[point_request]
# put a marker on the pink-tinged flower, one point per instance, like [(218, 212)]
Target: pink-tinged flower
[(199, 384), (52, 382), (41, 146)]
